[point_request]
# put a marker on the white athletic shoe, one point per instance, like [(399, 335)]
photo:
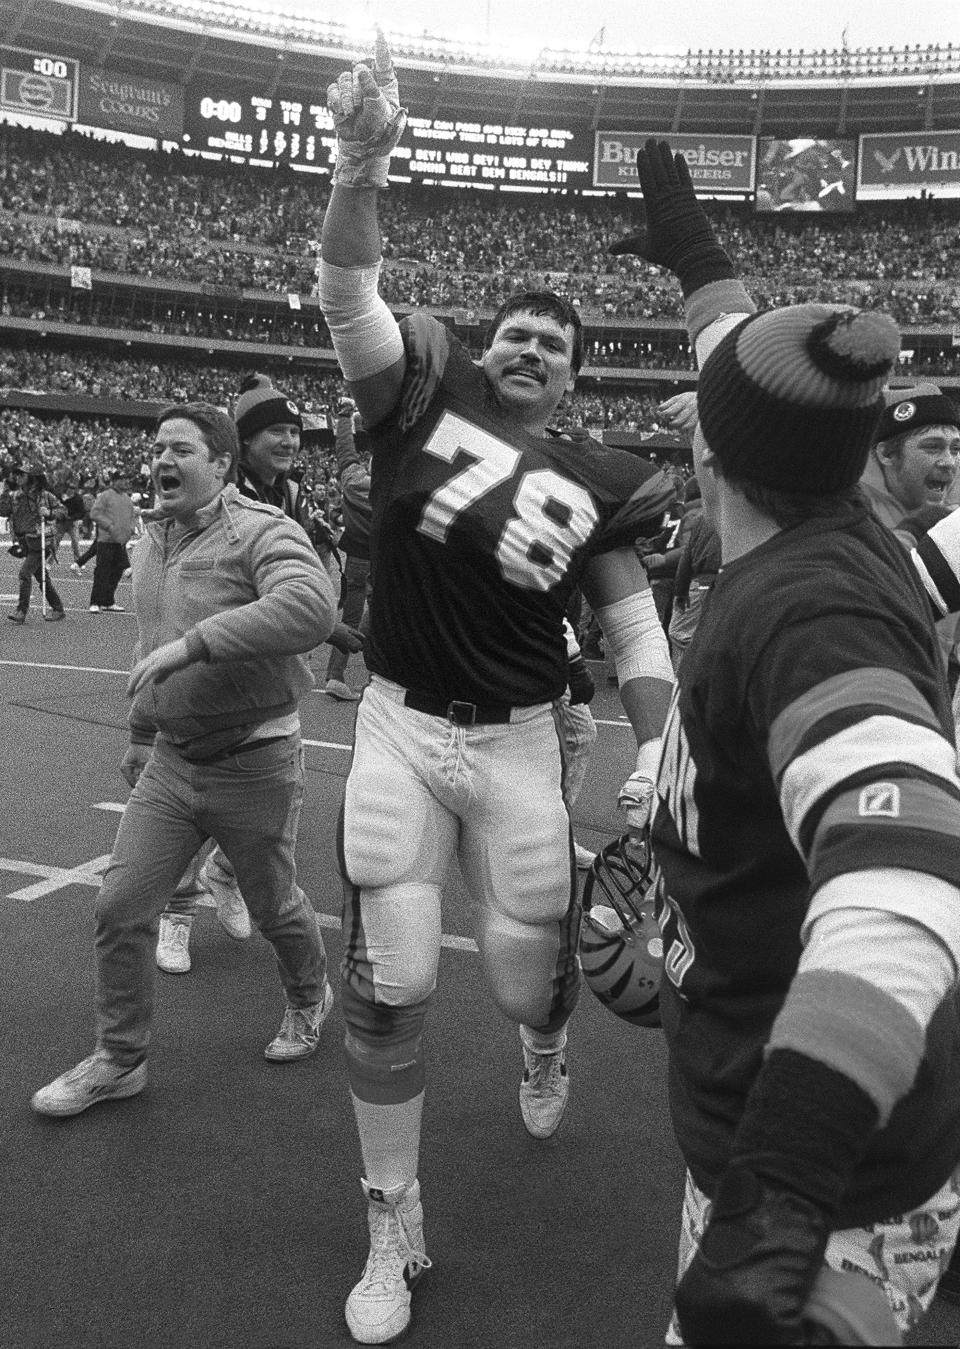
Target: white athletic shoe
[(544, 1088), (299, 1032), (231, 910), (94, 608), (584, 857), (95, 1079), (173, 943), (378, 1308), (336, 688)]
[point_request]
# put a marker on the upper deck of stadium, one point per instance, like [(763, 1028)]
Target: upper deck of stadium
[(825, 92)]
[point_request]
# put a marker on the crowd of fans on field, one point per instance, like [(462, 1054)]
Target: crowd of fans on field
[(71, 449)]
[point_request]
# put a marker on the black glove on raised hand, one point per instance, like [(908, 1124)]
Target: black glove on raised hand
[(678, 234), (759, 1259)]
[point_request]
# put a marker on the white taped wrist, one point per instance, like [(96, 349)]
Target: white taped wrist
[(635, 637), (365, 334), (648, 758)]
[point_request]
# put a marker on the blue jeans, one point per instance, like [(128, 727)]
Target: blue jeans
[(32, 567), (250, 803)]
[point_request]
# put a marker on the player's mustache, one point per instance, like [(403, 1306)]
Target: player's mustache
[(526, 368)]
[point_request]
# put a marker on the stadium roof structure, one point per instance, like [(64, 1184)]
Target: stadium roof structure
[(282, 54)]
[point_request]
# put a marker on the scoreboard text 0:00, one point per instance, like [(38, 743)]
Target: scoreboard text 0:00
[(38, 84)]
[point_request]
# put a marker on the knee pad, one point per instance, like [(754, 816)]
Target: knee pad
[(391, 942), (384, 1049), (533, 971)]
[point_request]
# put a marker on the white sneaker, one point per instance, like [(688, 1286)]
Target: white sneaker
[(584, 857), (378, 1308), (95, 1079), (231, 910), (94, 608), (544, 1089), (114, 609), (299, 1032), (336, 688), (173, 943)]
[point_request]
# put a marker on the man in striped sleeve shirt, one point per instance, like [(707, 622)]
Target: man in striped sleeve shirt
[(806, 830)]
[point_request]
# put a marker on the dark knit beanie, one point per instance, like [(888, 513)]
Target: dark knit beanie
[(260, 405), (790, 398), (908, 409)]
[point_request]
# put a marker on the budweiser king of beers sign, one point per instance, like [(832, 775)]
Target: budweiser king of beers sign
[(908, 161), (716, 163)]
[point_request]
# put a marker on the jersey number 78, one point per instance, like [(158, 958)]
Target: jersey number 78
[(552, 515)]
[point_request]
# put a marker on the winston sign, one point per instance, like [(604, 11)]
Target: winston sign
[(905, 163)]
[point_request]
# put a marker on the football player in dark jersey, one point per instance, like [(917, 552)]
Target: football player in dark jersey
[(806, 830), (483, 525)]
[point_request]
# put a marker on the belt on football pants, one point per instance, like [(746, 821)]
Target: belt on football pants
[(460, 714)]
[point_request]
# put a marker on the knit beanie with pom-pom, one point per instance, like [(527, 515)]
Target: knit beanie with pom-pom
[(790, 398), (260, 405)]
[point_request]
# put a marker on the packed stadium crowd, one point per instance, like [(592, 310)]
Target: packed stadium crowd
[(73, 201), (82, 203), (97, 375)]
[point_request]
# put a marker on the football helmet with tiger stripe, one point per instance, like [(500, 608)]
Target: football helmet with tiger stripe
[(621, 950)]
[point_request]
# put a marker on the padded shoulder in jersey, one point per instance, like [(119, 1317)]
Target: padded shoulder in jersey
[(644, 491), (427, 344)]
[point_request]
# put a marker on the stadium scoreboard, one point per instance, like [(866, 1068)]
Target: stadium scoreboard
[(283, 130), (258, 127), (38, 84)]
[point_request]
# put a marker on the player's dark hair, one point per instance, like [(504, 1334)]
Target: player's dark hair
[(788, 509), (541, 302), (218, 430)]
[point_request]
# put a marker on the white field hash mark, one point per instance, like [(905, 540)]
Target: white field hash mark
[(91, 874)]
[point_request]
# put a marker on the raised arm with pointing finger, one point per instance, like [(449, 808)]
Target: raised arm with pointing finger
[(369, 121)]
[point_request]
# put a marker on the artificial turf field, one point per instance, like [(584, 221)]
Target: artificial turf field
[(222, 1208)]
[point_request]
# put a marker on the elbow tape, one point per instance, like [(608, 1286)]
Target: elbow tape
[(365, 334), (635, 638)]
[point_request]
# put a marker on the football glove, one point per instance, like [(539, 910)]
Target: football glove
[(803, 1129), (637, 793), (580, 680), (678, 234), (636, 800), (368, 120), (756, 1267)]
